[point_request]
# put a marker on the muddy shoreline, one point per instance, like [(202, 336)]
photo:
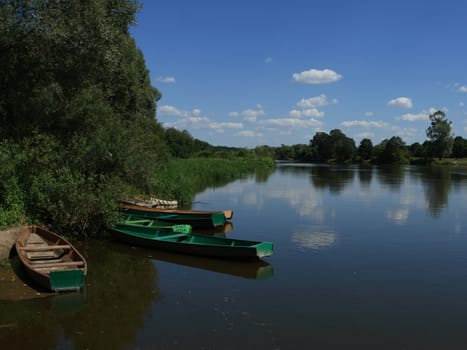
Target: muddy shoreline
[(7, 241)]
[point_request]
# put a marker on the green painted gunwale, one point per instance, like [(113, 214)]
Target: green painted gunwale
[(170, 240)]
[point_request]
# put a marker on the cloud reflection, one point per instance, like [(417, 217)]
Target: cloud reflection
[(399, 216), (315, 239)]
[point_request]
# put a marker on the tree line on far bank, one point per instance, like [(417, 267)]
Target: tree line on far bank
[(337, 147)]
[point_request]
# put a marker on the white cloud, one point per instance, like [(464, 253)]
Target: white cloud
[(463, 89), (315, 76), (365, 124), (402, 102), (247, 133), (311, 113), (171, 110), (251, 114), (292, 122), (225, 125), (234, 114), (313, 102), (268, 60), (414, 117), (166, 80), (168, 110), (309, 107), (369, 114)]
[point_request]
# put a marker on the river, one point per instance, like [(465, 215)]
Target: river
[(364, 258)]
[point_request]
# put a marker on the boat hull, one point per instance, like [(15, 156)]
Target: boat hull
[(50, 260), (191, 243), (194, 218)]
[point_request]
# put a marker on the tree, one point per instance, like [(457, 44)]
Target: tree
[(77, 101), (459, 148), (365, 149), (416, 150), (439, 133), (321, 146), (343, 147), (392, 151)]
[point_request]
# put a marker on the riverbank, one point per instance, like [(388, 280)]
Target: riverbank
[(7, 241)]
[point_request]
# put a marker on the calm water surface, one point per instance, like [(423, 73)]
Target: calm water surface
[(364, 258)]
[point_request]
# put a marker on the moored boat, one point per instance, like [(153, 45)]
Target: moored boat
[(195, 218), (170, 240), (50, 260)]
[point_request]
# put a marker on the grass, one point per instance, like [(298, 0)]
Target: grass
[(182, 179)]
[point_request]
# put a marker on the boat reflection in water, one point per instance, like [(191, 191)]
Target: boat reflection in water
[(219, 231), (256, 269)]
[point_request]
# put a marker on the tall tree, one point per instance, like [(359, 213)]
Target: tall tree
[(365, 149), (76, 97), (343, 147), (439, 133)]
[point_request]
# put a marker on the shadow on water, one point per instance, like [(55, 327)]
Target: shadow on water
[(120, 289), (257, 269)]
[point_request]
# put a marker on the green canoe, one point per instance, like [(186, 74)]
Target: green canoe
[(195, 218), (170, 239)]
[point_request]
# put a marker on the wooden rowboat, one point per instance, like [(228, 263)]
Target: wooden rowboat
[(50, 260), (195, 218), (169, 240)]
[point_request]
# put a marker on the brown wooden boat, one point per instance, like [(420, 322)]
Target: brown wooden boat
[(50, 260), (194, 218)]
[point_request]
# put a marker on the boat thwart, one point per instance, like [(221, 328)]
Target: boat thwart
[(50, 260), (169, 240)]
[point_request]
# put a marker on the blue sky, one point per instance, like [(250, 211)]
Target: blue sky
[(247, 73)]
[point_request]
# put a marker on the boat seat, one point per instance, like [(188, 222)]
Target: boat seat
[(177, 235), (44, 247), (61, 264)]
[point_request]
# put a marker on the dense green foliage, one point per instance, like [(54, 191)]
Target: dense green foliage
[(77, 119), (77, 126)]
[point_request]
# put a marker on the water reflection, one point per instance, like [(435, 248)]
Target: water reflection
[(399, 216), (259, 269), (437, 183), (315, 238), (391, 177), (334, 179), (120, 289), (220, 231), (365, 176)]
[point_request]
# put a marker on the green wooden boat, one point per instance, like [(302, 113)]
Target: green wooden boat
[(195, 218), (169, 239), (50, 260)]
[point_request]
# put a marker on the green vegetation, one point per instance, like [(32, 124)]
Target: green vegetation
[(78, 125), (337, 147), (181, 179), (77, 118)]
